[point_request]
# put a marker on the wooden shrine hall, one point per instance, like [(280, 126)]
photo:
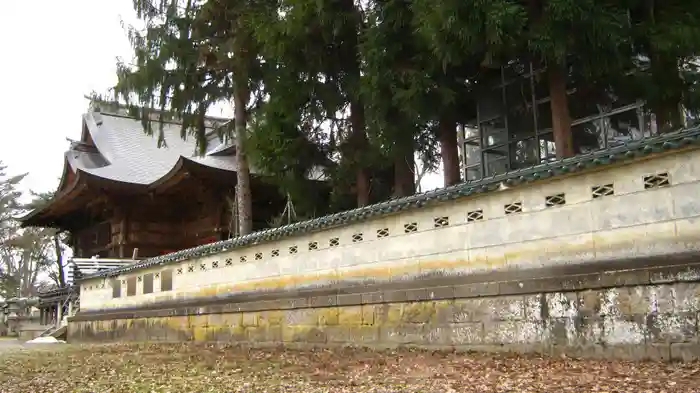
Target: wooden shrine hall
[(120, 191)]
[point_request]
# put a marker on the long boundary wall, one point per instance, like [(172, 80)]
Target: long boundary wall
[(595, 260)]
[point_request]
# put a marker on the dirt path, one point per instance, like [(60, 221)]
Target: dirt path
[(9, 345)]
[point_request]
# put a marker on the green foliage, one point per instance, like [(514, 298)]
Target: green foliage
[(324, 75)]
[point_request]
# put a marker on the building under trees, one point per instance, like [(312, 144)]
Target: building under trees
[(122, 195)]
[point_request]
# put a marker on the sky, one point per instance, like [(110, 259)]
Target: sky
[(55, 53)]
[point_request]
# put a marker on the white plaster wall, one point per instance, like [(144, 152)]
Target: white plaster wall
[(633, 222)]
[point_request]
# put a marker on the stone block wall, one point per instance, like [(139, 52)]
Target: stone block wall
[(644, 309)]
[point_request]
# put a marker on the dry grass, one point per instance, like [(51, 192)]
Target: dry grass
[(219, 368)]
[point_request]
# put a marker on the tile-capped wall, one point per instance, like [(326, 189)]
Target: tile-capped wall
[(648, 207), (637, 313)]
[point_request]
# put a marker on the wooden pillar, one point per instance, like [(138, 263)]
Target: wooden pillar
[(561, 120), (123, 217), (59, 313)]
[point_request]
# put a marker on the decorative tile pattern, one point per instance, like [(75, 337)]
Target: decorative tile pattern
[(215, 265), (313, 246), (656, 181), (475, 215), (515, 207), (440, 222), (357, 238), (293, 250), (384, 232), (179, 270), (334, 242), (275, 253), (243, 259), (139, 278), (410, 227), (202, 267), (258, 256), (229, 261), (555, 200), (156, 276), (602, 190), (190, 269)]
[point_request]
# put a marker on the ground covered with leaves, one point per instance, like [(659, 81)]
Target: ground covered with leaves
[(215, 368)]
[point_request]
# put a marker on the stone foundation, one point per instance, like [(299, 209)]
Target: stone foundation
[(623, 309)]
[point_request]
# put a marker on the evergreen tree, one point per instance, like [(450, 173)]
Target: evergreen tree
[(315, 69), (587, 37), (191, 56), (665, 41)]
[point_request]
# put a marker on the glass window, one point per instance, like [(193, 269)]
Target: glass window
[(470, 131), (524, 153), (496, 160), (472, 152), (494, 132), (588, 136), (547, 148), (648, 122), (622, 127), (521, 123), (521, 119), (474, 172)]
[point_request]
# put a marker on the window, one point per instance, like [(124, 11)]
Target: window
[(166, 280), (513, 125), (116, 288), (148, 283), (131, 286)]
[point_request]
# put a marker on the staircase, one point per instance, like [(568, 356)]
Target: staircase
[(59, 330)]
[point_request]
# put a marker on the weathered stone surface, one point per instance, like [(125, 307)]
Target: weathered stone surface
[(685, 351), (653, 321)]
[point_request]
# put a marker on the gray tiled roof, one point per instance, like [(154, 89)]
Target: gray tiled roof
[(128, 154), (625, 152)]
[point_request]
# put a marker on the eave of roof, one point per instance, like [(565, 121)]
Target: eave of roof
[(600, 158), (71, 190)]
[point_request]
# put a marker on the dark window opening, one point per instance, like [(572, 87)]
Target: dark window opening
[(166, 280), (131, 286), (116, 288), (148, 283)]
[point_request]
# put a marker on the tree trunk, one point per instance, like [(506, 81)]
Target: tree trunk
[(358, 137), (59, 261), (447, 133), (404, 174), (244, 198), (358, 145), (561, 121)]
